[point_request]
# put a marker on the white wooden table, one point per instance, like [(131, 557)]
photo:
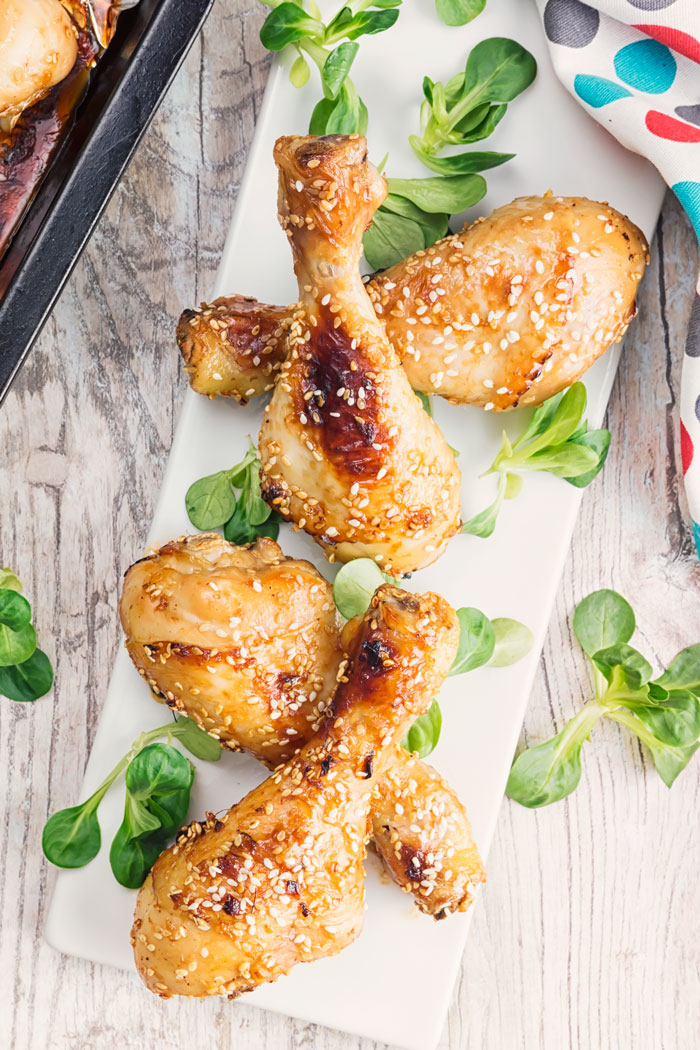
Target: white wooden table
[(587, 933)]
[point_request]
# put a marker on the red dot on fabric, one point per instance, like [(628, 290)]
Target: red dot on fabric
[(686, 449), (665, 127), (676, 39)]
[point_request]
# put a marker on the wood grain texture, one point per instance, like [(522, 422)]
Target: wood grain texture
[(586, 934)]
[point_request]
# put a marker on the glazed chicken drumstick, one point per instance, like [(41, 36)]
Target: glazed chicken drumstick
[(246, 642), (508, 312), (347, 451), (279, 879)]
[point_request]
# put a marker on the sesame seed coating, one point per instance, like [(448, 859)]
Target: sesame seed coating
[(257, 673), (545, 273), (279, 878), (331, 423)]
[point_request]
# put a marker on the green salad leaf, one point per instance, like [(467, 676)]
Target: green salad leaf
[(423, 736), (556, 440), (212, 502), (664, 714), (25, 671), (158, 783), (469, 106), (459, 12)]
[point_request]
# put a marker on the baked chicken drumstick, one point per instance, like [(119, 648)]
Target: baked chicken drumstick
[(347, 451), (508, 312), (279, 879), (246, 642)]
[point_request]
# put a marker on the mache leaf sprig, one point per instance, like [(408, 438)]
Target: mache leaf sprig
[(557, 441), (496, 643), (25, 671), (331, 46), (662, 712), (470, 105), (212, 502), (416, 214), (158, 781)]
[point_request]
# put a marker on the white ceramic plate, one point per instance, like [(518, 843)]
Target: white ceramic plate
[(395, 983)]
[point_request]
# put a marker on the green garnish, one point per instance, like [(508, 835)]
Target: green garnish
[(459, 12), (355, 584), (332, 48), (416, 214), (512, 640), (481, 641), (471, 104), (212, 502), (422, 738), (158, 783), (25, 671), (664, 713), (557, 440)]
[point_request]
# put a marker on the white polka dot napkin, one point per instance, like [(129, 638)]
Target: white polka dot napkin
[(635, 67)]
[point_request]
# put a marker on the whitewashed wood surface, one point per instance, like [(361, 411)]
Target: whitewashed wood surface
[(587, 934)]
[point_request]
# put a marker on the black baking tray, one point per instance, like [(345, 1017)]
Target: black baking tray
[(127, 86)]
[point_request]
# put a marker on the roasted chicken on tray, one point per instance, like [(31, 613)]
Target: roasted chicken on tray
[(508, 312), (247, 643), (347, 451), (48, 50), (38, 49), (279, 879)]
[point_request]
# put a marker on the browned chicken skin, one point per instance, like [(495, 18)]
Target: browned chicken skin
[(508, 312), (347, 451), (279, 879), (247, 643), (238, 350), (243, 640)]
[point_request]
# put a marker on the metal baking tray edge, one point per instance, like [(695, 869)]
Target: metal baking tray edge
[(129, 84)]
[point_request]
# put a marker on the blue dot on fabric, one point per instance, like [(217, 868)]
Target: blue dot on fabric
[(647, 66), (696, 535), (688, 194), (597, 91)]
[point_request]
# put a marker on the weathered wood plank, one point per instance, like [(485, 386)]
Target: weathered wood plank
[(586, 934)]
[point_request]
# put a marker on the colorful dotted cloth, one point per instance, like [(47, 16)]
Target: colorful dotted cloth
[(635, 66)]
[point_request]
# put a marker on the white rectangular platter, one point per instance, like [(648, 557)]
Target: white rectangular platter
[(395, 983)]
